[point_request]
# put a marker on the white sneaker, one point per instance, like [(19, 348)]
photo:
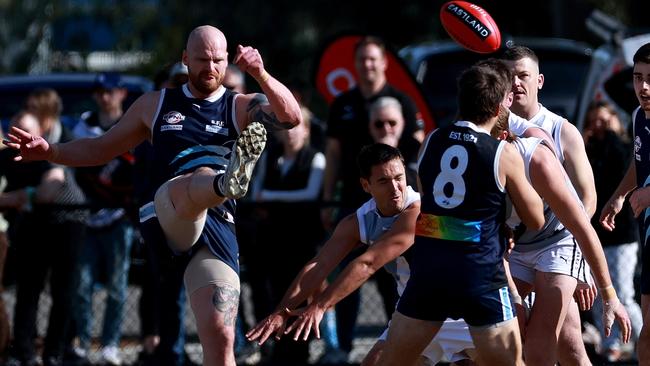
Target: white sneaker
[(111, 356), (248, 148)]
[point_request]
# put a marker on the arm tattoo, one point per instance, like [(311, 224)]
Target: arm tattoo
[(226, 300), (256, 112)]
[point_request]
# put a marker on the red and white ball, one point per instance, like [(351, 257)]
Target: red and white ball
[(471, 26)]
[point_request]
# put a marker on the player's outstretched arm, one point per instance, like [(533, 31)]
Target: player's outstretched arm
[(388, 247), (577, 166), (125, 135), (309, 279), (526, 201), (547, 177)]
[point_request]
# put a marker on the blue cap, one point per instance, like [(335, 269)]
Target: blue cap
[(108, 80)]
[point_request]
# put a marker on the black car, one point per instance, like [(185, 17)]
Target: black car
[(436, 66), (76, 91)]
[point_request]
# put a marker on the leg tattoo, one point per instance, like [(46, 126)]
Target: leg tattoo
[(226, 300)]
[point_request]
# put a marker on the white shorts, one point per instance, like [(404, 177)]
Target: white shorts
[(449, 344), (563, 257)]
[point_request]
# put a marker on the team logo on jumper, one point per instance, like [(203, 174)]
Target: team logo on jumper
[(637, 148), (173, 117)]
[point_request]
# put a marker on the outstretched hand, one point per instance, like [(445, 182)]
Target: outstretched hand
[(308, 318), (274, 323), (614, 310), (29, 147), (609, 212)]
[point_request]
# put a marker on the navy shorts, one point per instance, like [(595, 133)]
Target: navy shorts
[(478, 310), (218, 234)]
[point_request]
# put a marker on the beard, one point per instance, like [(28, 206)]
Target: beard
[(203, 85)]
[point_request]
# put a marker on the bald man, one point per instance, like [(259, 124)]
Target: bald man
[(206, 146)]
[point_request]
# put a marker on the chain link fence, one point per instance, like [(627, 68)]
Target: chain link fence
[(370, 323)]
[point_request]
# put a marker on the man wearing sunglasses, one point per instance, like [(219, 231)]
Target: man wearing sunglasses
[(386, 126)]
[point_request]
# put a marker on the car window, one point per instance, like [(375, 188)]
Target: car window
[(564, 77), (438, 76)]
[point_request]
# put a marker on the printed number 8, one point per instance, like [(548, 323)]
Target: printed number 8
[(453, 176)]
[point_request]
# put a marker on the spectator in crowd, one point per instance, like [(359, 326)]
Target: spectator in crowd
[(608, 149), (386, 124), (317, 127), (47, 239), (109, 238), (288, 181), (347, 133), (235, 79), (178, 75)]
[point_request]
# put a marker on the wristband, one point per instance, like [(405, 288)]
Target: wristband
[(264, 77), (607, 292)]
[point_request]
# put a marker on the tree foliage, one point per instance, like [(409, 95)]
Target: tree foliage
[(289, 34)]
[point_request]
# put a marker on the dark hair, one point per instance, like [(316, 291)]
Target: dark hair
[(515, 53), (499, 66), (481, 90), (597, 104), (376, 154), (368, 40), (642, 54)]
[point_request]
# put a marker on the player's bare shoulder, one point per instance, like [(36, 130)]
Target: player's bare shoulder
[(144, 108), (509, 154), (510, 162), (544, 160), (570, 133)]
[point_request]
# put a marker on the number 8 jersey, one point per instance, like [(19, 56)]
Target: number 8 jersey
[(463, 208)]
